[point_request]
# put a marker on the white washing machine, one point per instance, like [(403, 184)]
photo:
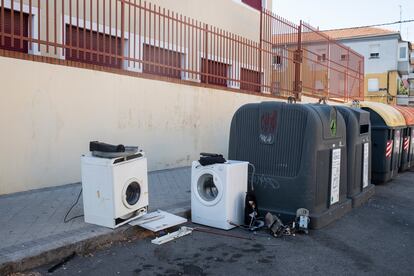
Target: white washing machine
[(218, 192), (115, 190)]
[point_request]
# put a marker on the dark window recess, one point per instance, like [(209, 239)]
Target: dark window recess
[(162, 62), (277, 60), (364, 129), (87, 43), (250, 80), (19, 45), (322, 57), (374, 55), (344, 57), (217, 72), (256, 4)]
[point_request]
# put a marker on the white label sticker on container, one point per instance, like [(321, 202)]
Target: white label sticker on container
[(412, 141), (366, 166), (335, 175), (397, 141)]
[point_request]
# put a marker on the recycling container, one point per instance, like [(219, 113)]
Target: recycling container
[(387, 126), (407, 156), (358, 143), (299, 152)]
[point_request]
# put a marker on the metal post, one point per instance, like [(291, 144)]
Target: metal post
[(122, 32), (261, 51), (206, 55), (298, 64)]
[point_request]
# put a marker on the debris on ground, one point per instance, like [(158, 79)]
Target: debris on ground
[(183, 231)]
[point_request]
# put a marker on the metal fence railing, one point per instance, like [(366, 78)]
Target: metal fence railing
[(330, 69), (138, 37)]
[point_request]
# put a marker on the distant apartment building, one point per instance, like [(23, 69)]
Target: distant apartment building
[(387, 61)]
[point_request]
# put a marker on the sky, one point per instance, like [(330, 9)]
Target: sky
[(334, 14)]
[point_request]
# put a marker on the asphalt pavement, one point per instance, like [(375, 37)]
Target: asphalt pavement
[(375, 239)]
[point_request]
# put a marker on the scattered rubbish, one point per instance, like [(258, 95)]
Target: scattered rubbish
[(183, 231), (61, 263), (299, 225), (251, 211), (158, 220), (275, 225), (302, 220)]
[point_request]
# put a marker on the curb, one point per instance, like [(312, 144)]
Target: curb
[(57, 252)]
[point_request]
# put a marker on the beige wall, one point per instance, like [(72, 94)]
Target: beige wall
[(230, 15), (388, 82), (49, 113)]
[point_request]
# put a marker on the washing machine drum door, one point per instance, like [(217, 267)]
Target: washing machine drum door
[(131, 193), (208, 188)]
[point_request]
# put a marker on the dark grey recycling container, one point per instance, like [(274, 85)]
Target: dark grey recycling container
[(358, 143), (299, 152), (388, 126)]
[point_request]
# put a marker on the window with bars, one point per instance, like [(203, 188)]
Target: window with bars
[(11, 24), (214, 72), (250, 80), (92, 47), (162, 62)]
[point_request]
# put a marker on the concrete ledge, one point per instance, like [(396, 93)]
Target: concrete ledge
[(81, 241)]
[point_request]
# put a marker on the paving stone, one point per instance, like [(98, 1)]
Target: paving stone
[(32, 221)]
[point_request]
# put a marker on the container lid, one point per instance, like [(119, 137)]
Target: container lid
[(391, 116), (408, 114)]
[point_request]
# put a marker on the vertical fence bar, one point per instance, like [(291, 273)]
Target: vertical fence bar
[(21, 24), (84, 30), (110, 32), (205, 63), (91, 55), (2, 22), (63, 34), (116, 33), (12, 22), (77, 29), (129, 34), (47, 26), (122, 32), (98, 56), (298, 64), (135, 32), (145, 32), (55, 26), (161, 55), (30, 25), (39, 11)]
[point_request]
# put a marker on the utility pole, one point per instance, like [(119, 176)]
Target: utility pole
[(400, 18)]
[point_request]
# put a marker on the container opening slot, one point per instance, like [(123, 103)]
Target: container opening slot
[(364, 129)]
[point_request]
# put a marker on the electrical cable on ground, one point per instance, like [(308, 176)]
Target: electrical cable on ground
[(65, 220)]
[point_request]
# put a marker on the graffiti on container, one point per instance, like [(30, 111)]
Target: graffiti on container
[(268, 127), (266, 182)]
